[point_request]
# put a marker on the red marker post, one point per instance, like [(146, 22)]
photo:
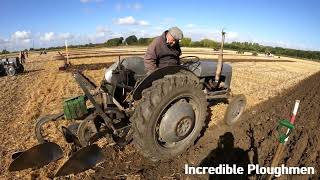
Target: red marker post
[(283, 138)]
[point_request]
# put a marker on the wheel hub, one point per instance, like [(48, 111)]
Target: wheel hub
[(184, 126), (177, 122), (238, 109), (11, 71)]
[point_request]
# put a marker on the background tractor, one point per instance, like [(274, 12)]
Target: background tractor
[(10, 66)]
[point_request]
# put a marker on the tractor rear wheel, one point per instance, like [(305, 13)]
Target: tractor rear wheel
[(169, 117), (11, 71)]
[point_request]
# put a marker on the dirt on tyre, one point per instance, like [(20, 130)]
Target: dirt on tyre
[(235, 108), (169, 117)]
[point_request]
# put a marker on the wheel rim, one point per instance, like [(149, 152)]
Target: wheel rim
[(40, 132), (183, 127), (86, 131), (11, 71), (177, 122), (237, 111)]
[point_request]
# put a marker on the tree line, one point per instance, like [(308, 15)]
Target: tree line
[(240, 47), (279, 51)]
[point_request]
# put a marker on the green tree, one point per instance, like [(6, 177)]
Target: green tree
[(145, 41), (114, 42), (208, 43), (4, 51), (132, 40), (185, 42), (196, 44)]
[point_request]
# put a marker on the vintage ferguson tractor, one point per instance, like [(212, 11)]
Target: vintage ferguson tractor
[(10, 66), (162, 113)]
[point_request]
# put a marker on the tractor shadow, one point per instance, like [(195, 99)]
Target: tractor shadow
[(23, 73), (226, 154), (31, 71)]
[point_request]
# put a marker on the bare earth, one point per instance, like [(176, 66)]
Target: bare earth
[(40, 90)]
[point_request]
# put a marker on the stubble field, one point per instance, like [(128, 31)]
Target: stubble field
[(270, 84)]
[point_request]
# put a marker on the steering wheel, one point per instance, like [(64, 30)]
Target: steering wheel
[(192, 62), (189, 59)]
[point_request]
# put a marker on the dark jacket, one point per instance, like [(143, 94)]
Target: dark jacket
[(159, 54)]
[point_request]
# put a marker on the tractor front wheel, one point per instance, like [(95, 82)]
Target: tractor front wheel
[(20, 68), (235, 109)]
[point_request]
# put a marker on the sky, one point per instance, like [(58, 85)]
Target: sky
[(44, 23)]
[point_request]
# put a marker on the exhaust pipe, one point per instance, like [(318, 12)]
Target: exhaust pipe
[(220, 58)]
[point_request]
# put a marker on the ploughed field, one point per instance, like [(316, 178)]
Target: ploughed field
[(270, 84)]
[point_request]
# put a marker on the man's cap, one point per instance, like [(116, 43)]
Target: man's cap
[(176, 33)]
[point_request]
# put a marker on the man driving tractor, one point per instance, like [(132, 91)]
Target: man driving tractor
[(164, 50)]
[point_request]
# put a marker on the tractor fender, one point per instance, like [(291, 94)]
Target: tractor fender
[(146, 82)]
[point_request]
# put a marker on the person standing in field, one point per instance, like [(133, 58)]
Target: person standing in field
[(22, 57), (26, 54), (164, 50)]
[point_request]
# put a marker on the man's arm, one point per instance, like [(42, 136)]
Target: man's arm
[(150, 58), (179, 50)]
